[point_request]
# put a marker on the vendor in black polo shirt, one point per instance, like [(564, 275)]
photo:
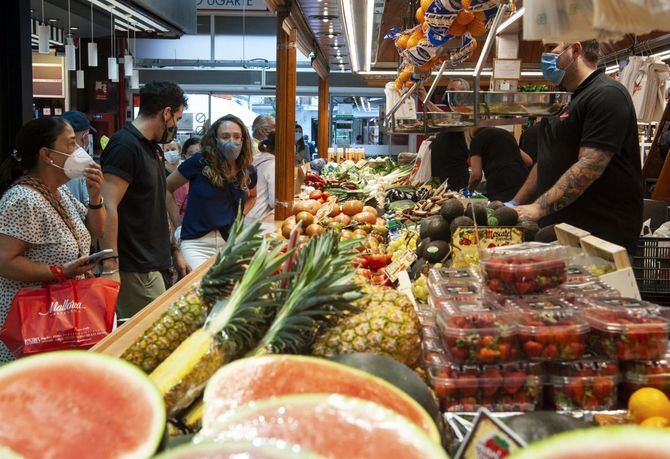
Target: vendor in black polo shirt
[(135, 198), (588, 170)]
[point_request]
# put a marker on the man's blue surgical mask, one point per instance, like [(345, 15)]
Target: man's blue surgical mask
[(549, 65)]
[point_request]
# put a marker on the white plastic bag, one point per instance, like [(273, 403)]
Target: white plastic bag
[(631, 16), (423, 157), (407, 110), (558, 20)]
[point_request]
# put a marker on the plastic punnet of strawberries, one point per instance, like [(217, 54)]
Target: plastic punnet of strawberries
[(647, 373), (507, 387), (518, 275), (479, 337), (551, 334), (627, 334), (588, 384)]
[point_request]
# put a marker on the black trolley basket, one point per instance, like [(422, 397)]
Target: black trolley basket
[(651, 265)]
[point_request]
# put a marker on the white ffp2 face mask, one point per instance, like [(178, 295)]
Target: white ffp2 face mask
[(76, 163)]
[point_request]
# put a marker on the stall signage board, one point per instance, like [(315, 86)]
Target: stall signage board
[(234, 5), (489, 438), (465, 246), (506, 69), (101, 90)]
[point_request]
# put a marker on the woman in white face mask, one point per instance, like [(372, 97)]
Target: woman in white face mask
[(172, 154), (45, 233), (221, 180)]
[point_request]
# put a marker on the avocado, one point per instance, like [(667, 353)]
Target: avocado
[(451, 209), (436, 251), (492, 221), (493, 205), (529, 229), (480, 213), (506, 216), (546, 234), (436, 228), (460, 222), (419, 248)]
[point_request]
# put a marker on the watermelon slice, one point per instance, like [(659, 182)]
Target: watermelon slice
[(239, 450), (332, 425), (614, 442), (79, 404), (256, 378)]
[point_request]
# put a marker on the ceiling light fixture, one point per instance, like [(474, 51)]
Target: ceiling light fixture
[(112, 66), (92, 46), (70, 50), (43, 35), (138, 16), (370, 14), (349, 28), (511, 20)]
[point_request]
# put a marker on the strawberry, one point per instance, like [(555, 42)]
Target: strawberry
[(576, 389), (459, 355), (495, 285), (513, 381), (521, 399), (532, 349), (504, 349), (492, 381), (488, 355), (573, 350), (469, 403), (523, 287), (591, 403), (444, 388), (550, 352), (602, 388)]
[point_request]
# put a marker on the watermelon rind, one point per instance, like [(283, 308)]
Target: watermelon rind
[(112, 365), (265, 448), (357, 410), (230, 373), (602, 441)]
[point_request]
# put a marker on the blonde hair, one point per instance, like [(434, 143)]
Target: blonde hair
[(217, 169)]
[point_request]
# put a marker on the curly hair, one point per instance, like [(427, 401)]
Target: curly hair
[(217, 169)]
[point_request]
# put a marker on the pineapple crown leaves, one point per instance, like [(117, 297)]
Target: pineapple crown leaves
[(241, 318), (243, 241), (321, 286)]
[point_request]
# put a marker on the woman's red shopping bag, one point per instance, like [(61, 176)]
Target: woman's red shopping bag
[(74, 314)]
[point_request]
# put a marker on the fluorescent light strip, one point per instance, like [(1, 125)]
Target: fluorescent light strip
[(118, 14), (511, 20), (368, 33), (124, 17), (349, 27), (139, 16), (612, 69), (663, 55)]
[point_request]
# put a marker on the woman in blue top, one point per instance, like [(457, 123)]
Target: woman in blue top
[(222, 179)]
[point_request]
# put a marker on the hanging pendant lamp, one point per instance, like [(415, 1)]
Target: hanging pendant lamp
[(112, 65), (70, 50), (92, 46), (80, 72), (135, 80), (43, 35), (128, 57)]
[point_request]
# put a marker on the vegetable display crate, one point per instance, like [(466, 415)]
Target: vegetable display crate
[(651, 265)]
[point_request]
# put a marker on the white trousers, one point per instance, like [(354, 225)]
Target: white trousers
[(198, 251)]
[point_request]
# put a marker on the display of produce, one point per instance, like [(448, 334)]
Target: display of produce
[(551, 334), (627, 334), (648, 403), (456, 292), (507, 387), (647, 373), (537, 303), (575, 292), (246, 380), (479, 337), (189, 312), (331, 425), (58, 405), (588, 384)]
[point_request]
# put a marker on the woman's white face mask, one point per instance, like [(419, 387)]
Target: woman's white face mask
[(76, 163)]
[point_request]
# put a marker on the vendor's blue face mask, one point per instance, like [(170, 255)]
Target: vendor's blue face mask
[(549, 65)]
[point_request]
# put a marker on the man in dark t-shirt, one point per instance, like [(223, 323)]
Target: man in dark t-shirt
[(494, 152), (135, 193), (528, 143), (588, 171)]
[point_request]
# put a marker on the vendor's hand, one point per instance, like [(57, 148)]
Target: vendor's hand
[(94, 180), (180, 264), (78, 267), (532, 212)]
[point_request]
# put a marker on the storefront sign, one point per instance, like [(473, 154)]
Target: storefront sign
[(101, 91), (465, 245), (489, 439), (255, 5)]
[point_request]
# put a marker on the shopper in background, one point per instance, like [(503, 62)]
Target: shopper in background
[(588, 166), (529, 142), (264, 162), (45, 233), (301, 149), (222, 180), (261, 127), (82, 128), (135, 195), (449, 150), (172, 155), (494, 152), (191, 147)]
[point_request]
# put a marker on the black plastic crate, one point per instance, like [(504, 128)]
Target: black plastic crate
[(651, 265)]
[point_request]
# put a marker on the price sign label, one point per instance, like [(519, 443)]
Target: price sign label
[(401, 263)]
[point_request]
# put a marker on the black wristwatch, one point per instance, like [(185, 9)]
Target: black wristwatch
[(96, 206)]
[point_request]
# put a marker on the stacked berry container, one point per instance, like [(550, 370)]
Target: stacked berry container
[(587, 384), (646, 373)]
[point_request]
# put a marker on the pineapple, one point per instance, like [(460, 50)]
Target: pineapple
[(189, 312), (387, 325), (234, 326)]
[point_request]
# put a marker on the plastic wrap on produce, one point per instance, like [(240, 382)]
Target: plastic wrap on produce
[(331, 425)]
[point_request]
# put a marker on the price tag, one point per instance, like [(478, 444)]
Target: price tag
[(489, 438), (506, 69), (401, 263), (465, 247)]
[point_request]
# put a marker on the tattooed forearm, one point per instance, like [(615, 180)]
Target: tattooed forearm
[(590, 166)]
